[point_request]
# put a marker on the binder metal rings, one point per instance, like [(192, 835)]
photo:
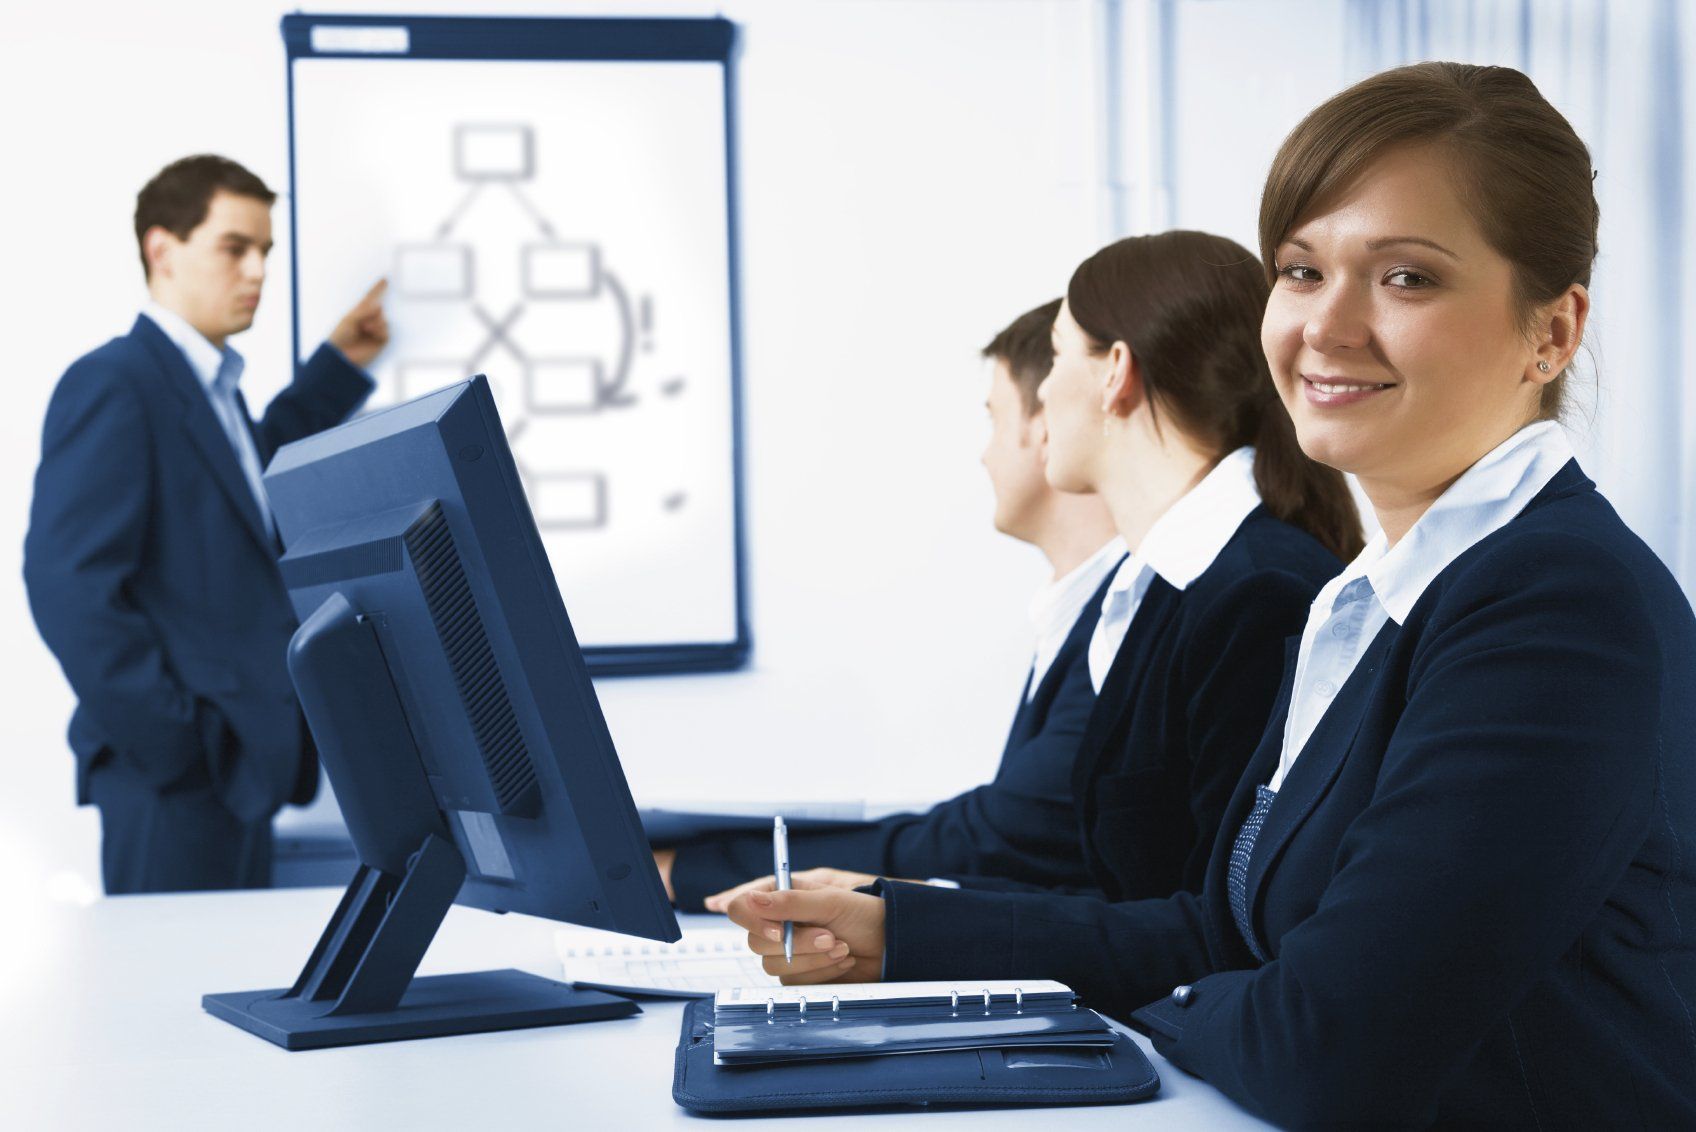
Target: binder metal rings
[(835, 1005), (803, 1006), (954, 1001), (986, 1000)]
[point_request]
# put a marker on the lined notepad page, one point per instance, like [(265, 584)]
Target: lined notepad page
[(704, 961), (893, 993)]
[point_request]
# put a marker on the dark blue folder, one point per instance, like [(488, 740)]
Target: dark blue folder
[(1007, 1076)]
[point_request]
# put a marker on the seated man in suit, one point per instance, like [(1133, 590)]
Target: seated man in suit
[(151, 558), (1021, 826)]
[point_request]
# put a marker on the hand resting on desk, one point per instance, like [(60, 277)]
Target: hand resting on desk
[(838, 932)]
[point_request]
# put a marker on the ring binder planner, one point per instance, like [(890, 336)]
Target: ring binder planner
[(1003, 1074), (757, 1025)]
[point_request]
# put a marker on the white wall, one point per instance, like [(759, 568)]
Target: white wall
[(912, 178)]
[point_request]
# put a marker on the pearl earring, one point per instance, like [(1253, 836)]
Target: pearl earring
[(1544, 366)]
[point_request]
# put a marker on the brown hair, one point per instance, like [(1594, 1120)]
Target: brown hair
[(179, 195), (1525, 174), (1026, 345), (1189, 304)]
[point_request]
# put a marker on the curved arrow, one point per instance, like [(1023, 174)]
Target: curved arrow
[(614, 392)]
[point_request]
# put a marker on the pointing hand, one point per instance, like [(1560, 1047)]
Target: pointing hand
[(363, 331)]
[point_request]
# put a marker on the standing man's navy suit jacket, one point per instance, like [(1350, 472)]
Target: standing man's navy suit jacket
[(1020, 825), (154, 581), (1476, 887)]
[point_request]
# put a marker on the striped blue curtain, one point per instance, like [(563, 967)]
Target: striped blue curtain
[(1623, 75)]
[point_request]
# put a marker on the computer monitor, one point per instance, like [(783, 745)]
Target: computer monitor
[(453, 713)]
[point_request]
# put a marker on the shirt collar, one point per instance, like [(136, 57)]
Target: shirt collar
[(1483, 500), (1184, 541), (1057, 605), (206, 360)]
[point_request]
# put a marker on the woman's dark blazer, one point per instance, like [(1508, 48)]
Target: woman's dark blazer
[(1477, 885), (1182, 707)]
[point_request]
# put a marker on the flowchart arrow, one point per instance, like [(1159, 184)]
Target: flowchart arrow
[(447, 225), (530, 209)]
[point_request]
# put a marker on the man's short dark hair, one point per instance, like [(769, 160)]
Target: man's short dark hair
[(179, 195), (1025, 346)]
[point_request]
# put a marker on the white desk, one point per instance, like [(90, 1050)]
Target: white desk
[(101, 1028)]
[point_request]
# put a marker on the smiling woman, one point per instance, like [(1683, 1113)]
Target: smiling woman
[(1429, 265), (1396, 336), (1454, 885)]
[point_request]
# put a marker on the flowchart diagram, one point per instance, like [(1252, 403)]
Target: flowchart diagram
[(564, 227), (533, 384)]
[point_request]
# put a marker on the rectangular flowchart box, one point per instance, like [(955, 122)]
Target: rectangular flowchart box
[(562, 271), (565, 385), (433, 271), (569, 499), (493, 152)]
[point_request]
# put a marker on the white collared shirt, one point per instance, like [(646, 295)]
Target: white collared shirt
[(1057, 606), (1179, 547), (219, 372), (1384, 582)]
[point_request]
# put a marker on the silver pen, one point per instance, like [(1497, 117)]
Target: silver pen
[(780, 870)]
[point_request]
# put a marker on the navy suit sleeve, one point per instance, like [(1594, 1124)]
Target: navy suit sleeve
[(1116, 956), (1007, 884), (88, 525), (324, 391), (1515, 789), (999, 829)]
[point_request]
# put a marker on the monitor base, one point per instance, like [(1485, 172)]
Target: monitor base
[(433, 1006)]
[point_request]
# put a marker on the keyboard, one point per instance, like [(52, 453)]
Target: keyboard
[(696, 966)]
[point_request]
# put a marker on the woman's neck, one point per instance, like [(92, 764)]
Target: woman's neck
[(1141, 481), (1400, 501), (1073, 528), (1399, 506)]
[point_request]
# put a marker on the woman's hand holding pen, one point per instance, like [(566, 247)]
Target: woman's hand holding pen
[(838, 932)]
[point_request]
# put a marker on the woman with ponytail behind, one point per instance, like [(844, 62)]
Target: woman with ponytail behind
[(1186, 307), (1160, 402)]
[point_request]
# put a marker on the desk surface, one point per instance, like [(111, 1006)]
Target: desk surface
[(103, 1029)]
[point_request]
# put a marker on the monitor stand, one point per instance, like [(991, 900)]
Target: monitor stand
[(358, 986)]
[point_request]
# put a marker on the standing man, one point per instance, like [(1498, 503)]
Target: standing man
[(1021, 827), (151, 558)]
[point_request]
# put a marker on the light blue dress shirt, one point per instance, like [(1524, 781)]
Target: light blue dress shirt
[(219, 372), (1058, 605), (1384, 582), (1179, 547)]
